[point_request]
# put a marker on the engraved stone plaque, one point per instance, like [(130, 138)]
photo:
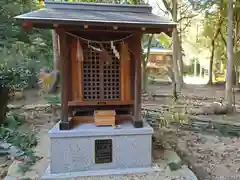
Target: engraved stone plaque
[(103, 151)]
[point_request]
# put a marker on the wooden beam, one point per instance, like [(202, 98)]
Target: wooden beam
[(166, 28), (65, 123), (102, 103), (137, 55)]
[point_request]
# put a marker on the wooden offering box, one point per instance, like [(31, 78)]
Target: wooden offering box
[(104, 118)]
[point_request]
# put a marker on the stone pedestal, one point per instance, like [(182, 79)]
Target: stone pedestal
[(79, 152)]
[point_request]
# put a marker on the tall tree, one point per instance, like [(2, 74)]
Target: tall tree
[(229, 91), (213, 42), (175, 48), (213, 30), (184, 12)]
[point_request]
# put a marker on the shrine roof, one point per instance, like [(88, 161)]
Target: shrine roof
[(76, 13)]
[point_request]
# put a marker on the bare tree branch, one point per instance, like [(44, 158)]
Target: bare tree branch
[(167, 6), (186, 25), (236, 29), (187, 17), (218, 29), (186, 9), (165, 12), (238, 39), (180, 6), (223, 39)]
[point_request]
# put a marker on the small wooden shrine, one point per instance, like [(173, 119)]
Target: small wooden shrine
[(100, 74), (100, 56)]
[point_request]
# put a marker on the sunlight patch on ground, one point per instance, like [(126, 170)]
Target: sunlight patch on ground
[(195, 80)]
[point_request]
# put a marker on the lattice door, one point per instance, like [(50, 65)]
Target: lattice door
[(101, 80)]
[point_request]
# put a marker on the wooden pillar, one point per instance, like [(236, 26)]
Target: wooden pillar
[(65, 123), (137, 55), (125, 66)]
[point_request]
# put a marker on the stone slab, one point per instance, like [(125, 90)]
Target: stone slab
[(90, 129), (107, 172)]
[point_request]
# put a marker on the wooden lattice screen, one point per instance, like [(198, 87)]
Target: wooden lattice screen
[(101, 80)]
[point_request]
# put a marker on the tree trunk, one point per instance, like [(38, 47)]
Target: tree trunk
[(144, 63), (237, 78), (145, 77), (195, 67), (235, 48), (210, 81), (180, 61), (3, 103), (229, 91), (55, 50), (180, 58), (234, 76), (175, 48)]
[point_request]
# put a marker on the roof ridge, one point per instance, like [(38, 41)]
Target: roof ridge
[(50, 4)]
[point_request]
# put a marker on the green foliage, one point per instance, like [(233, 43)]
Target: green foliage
[(21, 63), (13, 72), (22, 140), (14, 120), (175, 114), (135, 1), (25, 142), (211, 22), (108, 1), (22, 53), (155, 43), (165, 40), (9, 30), (9, 132)]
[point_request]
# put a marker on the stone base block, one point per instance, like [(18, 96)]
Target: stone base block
[(75, 150)]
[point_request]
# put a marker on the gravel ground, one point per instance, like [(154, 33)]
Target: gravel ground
[(220, 156), (211, 157)]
